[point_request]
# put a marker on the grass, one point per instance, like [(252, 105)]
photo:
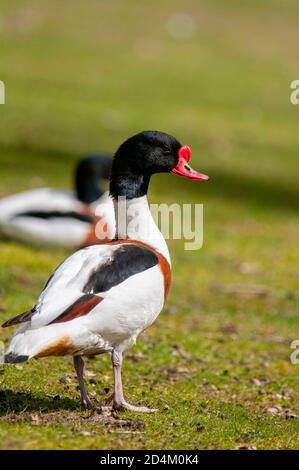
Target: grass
[(216, 362)]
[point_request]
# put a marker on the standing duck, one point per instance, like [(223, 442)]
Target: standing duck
[(103, 296), (53, 217)]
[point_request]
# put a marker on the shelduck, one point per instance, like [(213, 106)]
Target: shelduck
[(103, 296), (53, 217)]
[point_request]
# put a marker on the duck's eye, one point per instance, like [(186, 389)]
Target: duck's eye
[(166, 150)]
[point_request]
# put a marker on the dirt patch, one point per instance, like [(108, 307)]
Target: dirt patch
[(71, 418)]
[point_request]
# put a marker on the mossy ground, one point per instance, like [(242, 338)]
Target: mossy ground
[(217, 362)]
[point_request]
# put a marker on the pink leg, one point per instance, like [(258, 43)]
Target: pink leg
[(119, 402), (79, 368)]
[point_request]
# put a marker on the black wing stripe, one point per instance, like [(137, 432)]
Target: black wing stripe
[(127, 261), (56, 214), (22, 318)]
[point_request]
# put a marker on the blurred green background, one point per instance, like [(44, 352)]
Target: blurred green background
[(83, 76)]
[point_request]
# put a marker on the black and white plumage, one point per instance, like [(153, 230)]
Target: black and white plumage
[(53, 217), (102, 297)]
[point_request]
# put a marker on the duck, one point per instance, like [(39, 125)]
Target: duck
[(58, 218), (102, 297)]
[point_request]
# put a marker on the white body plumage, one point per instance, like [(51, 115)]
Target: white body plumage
[(122, 313)]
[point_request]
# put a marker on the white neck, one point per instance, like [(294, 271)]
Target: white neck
[(135, 221)]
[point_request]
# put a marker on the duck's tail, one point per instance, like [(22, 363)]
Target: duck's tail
[(27, 343), (12, 358)]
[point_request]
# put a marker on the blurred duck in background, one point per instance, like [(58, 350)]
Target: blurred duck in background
[(61, 218)]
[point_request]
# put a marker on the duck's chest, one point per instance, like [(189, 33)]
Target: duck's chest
[(134, 304), (147, 292), (147, 298)]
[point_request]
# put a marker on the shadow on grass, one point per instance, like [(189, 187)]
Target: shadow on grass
[(18, 402), (256, 192)]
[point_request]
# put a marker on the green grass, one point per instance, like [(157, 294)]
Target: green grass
[(216, 363)]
